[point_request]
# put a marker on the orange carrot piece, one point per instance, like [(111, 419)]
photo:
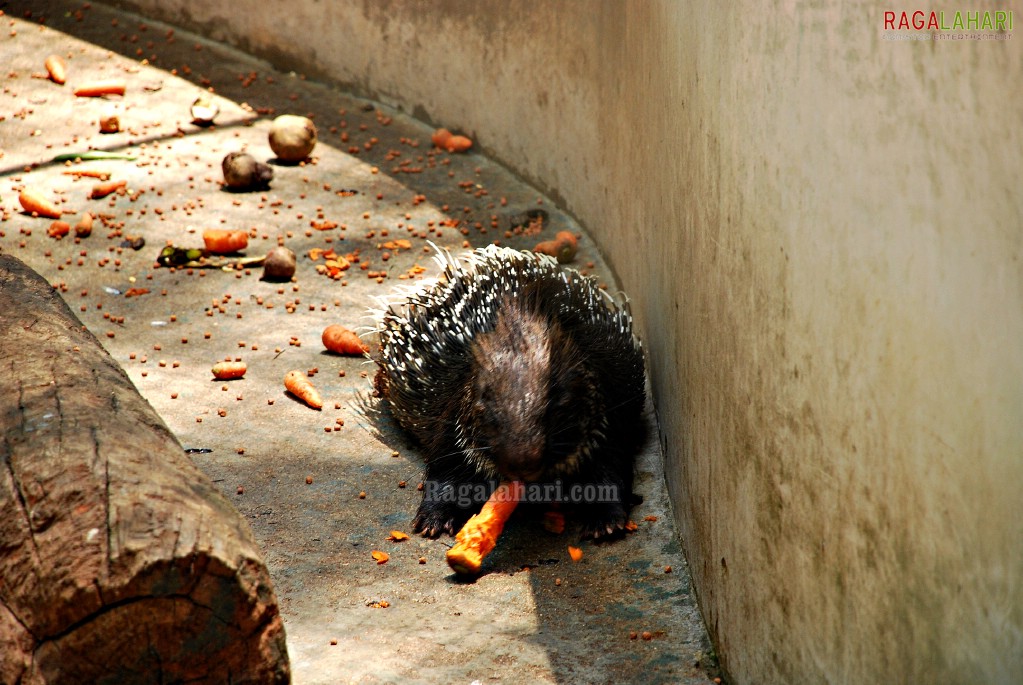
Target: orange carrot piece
[(225, 371), (221, 241), (58, 229), (37, 205), (301, 387), (83, 229), (97, 89), (105, 188), (339, 339), (56, 69), (91, 173), (110, 124), (575, 553), (563, 247), (554, 522), (567, 237), (440, 137), (479, 534), (457, 144)]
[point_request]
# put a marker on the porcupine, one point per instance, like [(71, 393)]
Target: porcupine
[(511, 367)]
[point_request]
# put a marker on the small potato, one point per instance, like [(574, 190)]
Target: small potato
[(292, 137), (243, 172), (279, 264)]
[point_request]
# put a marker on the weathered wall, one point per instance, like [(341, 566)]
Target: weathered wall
[(822, 232)]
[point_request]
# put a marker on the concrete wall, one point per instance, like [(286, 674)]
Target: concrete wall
[(822, 233)]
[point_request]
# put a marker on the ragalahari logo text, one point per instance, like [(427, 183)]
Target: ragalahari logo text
[(948, 25)]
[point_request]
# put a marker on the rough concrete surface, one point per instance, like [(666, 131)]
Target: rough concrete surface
[(321, 489)]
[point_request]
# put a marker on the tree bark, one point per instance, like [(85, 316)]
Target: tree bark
[(119, 560)]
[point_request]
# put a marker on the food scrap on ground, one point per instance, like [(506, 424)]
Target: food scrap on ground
[(292, 137), (220, 241), (242, 171), (563, 248), (340, 340), (110, 124), (446, 140), (56, 69), (225, 370), (299, 385), (37, 204), (101, 190), (95, 89), (83, 229), (279, 265)]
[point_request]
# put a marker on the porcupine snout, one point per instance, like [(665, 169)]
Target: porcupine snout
[(520, 459)]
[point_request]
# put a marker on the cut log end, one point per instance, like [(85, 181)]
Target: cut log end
[(121, 561)]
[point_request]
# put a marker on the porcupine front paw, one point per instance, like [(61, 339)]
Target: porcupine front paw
[(435, 518), (604, 522)]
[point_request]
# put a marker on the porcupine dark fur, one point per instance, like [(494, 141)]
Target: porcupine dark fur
[(511, 367)]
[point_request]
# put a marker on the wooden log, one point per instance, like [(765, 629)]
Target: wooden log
[(119, 560)]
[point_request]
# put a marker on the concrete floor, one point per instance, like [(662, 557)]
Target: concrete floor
[(295, 473)]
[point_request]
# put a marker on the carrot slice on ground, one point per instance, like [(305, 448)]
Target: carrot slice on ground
[(37, 205), (58, 229), (301, 387), (224, 371), (341, 340), (91, 173), (56, 69), (97, 89), (83, 229), (479, 534), (457, 144), (440, 137), (103, 189), (220, 241)]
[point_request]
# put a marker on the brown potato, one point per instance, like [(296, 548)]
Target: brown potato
[(292, 137)]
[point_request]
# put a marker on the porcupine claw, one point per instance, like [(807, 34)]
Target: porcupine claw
[(606, 522), (434, 519)]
